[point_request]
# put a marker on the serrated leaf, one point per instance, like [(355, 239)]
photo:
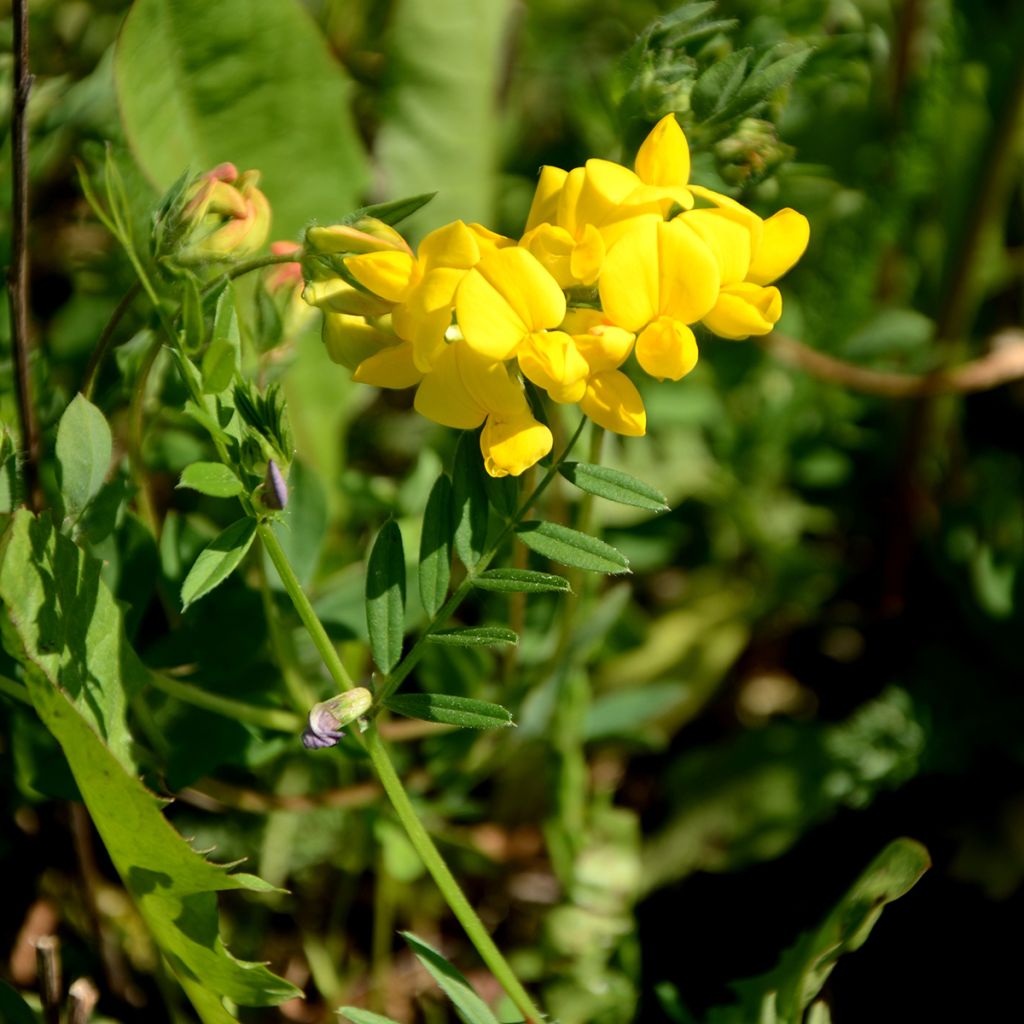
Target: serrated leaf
[(385, 597), (198, 83), (84, 449), (218, 560), (358, 1016), (614, 485), (570, 547), (523, 581), (211, 478), (465, 712), (63, 625), (719, 84), (469, 500), (435, 568), (222, 357), (475, 636), (471, 1007)]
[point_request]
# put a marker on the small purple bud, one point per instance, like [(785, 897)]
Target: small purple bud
[(275, 490), (327, 717)]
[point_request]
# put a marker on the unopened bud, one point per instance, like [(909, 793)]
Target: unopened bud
[(336, 295), (751, 152), (275, 489), (368, 234), (327, 718)]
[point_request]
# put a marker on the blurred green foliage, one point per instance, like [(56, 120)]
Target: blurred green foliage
[(819, 649)]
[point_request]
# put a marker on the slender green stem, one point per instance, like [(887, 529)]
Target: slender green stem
[(310, 620), (269, 718), (106, 338), (136, 426), (240, 269), (12, 688), (445, 880), (390, 683)]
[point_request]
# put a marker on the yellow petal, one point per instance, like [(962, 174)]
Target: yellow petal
[(688, 275), (745, 309), (553, 247), (336, 295), (667, 348), (453, 245), (783, 242), (628, 285), (489, 383), (505, 297), (604, 347), (605, 185), (662, 197), (727, 238), (613, 402), (488, 239), (445, 399), (426, 314), (392, 367), (552, 361), (587, 258), (734, 209), (511, 446), (350, 339), (545, 199), (664, 156), (387, 274)]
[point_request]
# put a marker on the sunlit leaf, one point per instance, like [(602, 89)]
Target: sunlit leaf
[(385, 596), (435, 566), (211, 478), (570, 547), (218, 560), (614, 485), (475, 636), (465, 712), (523, 581), (84, 448)]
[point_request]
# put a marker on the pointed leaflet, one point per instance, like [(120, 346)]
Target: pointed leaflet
[(522, 581), (614, 485), (84, 447), (570, 547), (475, 636), (223, 356), (464, 712), (65, 630), (218, 560), (212, 478), (469, 500), (385, 597), (472, 1009), (436, 546)]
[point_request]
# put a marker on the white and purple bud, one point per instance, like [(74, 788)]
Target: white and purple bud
[(327, 718), (275, 488)]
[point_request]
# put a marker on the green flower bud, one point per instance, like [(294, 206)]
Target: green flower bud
[(327, 718)]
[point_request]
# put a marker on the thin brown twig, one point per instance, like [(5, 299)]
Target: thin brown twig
[(1003, 364), (17, 273)]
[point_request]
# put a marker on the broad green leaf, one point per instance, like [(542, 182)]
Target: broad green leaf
[(358, 1016), (472, 1009), (385, 596), (212, 478), (84, 448), (469, 500), (251, 81), (475, 636), (461, 711), (440, 129), (570, 547), (523, 581), (222, 357), (64, 627), (435, 567), (218, 560), (614, 485), (14, 1009)]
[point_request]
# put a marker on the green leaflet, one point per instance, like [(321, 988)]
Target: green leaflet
[(358, 1016), (475, 636), (435, 567), (472, 1009), (199, 83), (62, 624), (523, 581), (570, 547), (469, 500), (84, 448), (212, 478), (218, 560), (385, 597), (614, 485), (464, 712)]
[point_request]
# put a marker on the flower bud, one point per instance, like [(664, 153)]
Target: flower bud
[(367, 234), (751, 152), (327, 718)]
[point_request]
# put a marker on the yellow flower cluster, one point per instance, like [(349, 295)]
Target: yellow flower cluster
[(612, 260)]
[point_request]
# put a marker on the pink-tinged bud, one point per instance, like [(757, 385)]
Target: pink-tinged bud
[(223, 216), (284, 275), (366, 235)]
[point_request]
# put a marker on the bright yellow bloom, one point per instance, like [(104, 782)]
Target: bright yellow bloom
[(466, 389), (657, 279)]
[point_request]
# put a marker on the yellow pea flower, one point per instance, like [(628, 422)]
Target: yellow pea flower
[(466, 389), (657, 279)]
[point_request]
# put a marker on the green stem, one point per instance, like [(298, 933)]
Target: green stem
[(390, 683), (310, 620), (136, 425), (272, 260), (106, 337), (445, 880), (12, 688), (269, 718)]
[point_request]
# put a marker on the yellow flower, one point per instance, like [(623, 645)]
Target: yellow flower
[(465, 389), (657, 279)]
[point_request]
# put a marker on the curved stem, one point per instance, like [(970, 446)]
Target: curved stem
[(445, 880), (103, 345), (271, 260)]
